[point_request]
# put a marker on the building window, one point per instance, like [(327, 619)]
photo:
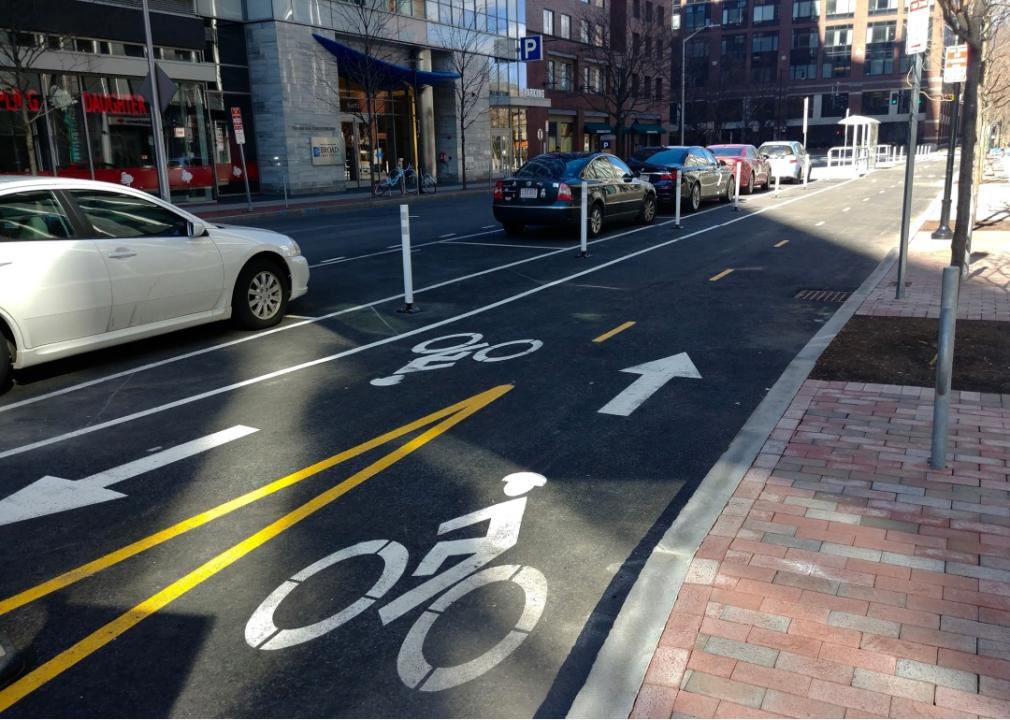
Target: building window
[(636, 42), (599, 38), (659, 88), (566, 26), (733, 59), (696, 54), (648, 45), (659, 48), (636, 9), (765, 11), (600, 3), (592, 79), (634, 85), (559, 75), (548, 22), (879, 7), (806, 9), (803, 54), (696, 16), (834, 104), (660, 15), (764, 57), (837, 51), (584, 31), (880, 45), (876, 103), (838, 8), (647, 87), (648, 11), (734, 13)]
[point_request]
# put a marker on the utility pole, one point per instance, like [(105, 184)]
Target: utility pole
[(160, 159), (906, 202), (943, 232), (683, 79)]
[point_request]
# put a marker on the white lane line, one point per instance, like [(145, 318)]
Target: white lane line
[(298, 317), (866, 199), (846, 209), (447, 235), (487, 227), (819, 224), (329, 260), (512, 245), (308, 229), (396, 338), (881, 192)]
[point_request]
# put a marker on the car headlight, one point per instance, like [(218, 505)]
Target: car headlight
[(293, 249)]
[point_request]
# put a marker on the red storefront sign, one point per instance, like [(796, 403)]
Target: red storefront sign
[(115, 104), (12, 100)]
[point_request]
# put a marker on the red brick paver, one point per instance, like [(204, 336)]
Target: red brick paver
[(846, 578)]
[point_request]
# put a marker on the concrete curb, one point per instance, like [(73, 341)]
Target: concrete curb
[(324, 208), (617, 674)]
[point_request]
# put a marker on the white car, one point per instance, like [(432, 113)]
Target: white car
[(788, 159), (85, 265)]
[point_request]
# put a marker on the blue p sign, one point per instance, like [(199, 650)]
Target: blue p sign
[(531, 48)]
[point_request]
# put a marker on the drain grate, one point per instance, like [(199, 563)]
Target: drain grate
[(832, 296)]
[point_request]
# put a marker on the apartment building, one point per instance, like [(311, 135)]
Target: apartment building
[(750, 64)]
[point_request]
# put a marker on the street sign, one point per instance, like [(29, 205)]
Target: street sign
[(236, 122), (955, 64), (917, 30), (531, 48)]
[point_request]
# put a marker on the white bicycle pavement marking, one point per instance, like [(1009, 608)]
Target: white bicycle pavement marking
[(384, 341), (439, 358)]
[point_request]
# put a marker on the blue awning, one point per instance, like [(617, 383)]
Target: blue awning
[(392, 75)]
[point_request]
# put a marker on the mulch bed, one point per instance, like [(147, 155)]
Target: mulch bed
[(902, 351), (1003, 224)]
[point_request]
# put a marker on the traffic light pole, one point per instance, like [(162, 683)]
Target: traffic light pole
[(943, 232), (906, 203)]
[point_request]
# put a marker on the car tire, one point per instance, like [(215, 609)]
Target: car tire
[(648, 213), (6, 364), (513, 228), (594, 221), (261, 294), (694, 198), (730, 190), (750, 184)]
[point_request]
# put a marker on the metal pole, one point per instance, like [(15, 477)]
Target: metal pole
[(408, 273), (906, 202), (87, 141), (806, 167), (683, 82), (944, 365), (160, 157), (676, 201), (245, 176), (943, 232), (736, 196), (583, 219), (806, 110)]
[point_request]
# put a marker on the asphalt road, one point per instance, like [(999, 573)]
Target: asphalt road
[(207, 578)]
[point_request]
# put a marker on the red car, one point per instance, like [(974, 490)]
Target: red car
[(757, 171)]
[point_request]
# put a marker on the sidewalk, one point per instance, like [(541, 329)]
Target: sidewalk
[(844, 578)]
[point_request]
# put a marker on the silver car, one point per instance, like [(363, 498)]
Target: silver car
[(788, 158)]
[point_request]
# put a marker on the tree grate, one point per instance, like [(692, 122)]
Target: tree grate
[(831, 296)]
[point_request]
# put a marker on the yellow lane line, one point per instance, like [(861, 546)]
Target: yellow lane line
[(117, 556), (781, 243), (131, 618), (610, 333), (721, 275)]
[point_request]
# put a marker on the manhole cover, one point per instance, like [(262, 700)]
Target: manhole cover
[(832, 296)]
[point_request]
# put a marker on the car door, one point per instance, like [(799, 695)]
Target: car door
[(158, 272), (715, 171), (632, 190), (605, 177), (53, 284)]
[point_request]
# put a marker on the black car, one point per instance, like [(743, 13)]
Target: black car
[(701, 175), (547, 190)]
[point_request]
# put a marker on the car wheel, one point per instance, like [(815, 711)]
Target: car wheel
[(648, 213), (5, 363), (750, 184), (261, 294), (595, 219), (694, 199), (730, 191), (513, 228)]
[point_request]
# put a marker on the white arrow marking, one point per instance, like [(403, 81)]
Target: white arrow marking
[(52, 494), (655, 375)]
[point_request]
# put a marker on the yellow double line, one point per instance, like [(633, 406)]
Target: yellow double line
[(445, 418)]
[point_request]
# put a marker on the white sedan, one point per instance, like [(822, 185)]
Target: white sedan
[(85, 265)]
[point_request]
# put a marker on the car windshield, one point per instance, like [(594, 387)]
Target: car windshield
[(547, 166), (669, 157), (726, 151), (645, 153), (776, 150)]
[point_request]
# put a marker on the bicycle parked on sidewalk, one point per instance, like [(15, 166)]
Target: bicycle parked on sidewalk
[(428, 183), (396, 181)]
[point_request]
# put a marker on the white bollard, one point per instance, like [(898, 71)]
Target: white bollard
[(676, 202), (776, 184), (806, 170), (736, 196), (583, 220), (408, 273)]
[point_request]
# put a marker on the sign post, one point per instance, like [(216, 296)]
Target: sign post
[(916, 39), (236, 122), (160, 156), (955, 72), (806, 112)]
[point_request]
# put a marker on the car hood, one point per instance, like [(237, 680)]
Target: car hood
[(253, 236)]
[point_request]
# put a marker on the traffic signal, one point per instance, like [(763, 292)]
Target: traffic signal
[(894, 97)]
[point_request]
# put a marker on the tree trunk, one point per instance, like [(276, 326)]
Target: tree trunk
[(26, 123), (462, 146), (969, 124), (373, 137)]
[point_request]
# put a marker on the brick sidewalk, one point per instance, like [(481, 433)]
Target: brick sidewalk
[(845, 578)]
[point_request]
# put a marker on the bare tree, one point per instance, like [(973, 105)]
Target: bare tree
[(469, 60), (371, 24), (974, 22), (630, 59), (20, 48)]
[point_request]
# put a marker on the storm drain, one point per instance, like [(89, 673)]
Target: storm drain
[(831, 296)]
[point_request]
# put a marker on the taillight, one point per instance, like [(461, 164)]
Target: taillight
[(499, 190), (564, 193), (667, 176)]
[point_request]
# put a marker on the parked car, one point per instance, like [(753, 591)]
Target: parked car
[(698, 171), (637, 159), (788, 158), (86, 265), (744, 160), (547, 191)]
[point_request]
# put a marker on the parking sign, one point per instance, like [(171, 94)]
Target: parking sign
[(531, 48)]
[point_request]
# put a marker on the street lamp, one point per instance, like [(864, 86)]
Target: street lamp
[(683, 78)]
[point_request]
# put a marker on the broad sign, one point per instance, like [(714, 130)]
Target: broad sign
[(236, 122), (917, 30), (531, 48), (326, 151), (955, 64)]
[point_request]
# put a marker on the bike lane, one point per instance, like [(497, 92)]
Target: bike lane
[(609, 479)]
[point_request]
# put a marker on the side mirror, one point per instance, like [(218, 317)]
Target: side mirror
[(197, 229), (628, 177)]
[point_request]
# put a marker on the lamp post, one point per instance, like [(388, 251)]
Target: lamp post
[(683, 78)]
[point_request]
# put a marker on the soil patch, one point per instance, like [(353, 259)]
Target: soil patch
[(902, 351), (980, 224)]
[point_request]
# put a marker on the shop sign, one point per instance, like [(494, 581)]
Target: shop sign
[(236, 121), (955, 64), (326, 151), (12, 100), (532, 92), (114, 104), (917, 27)]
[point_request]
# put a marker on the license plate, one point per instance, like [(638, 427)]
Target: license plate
[(528, 193)]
